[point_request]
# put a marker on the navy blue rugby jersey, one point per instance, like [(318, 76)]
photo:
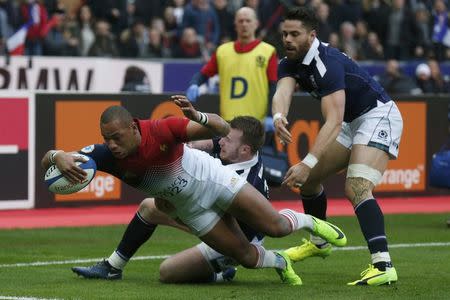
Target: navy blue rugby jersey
[(325, 70), (252, 170)]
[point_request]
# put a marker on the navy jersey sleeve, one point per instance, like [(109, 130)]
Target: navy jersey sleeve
[(103, 158), (286, 69), (333, 79)]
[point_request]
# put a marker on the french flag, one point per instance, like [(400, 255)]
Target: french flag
[(16, 43)]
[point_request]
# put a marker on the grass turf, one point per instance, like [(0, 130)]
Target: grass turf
[(423, 271)]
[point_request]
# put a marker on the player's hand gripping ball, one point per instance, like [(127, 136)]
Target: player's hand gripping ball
[(58, 184)]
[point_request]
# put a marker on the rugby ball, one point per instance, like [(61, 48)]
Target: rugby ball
[(58, 184)]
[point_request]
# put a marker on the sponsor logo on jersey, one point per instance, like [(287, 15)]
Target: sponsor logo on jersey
[(88, 149), (233, 181), (163, 147), (260, 61)]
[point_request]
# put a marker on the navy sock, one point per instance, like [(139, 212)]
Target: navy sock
[(371, 221), (315, 205), (136, 234)]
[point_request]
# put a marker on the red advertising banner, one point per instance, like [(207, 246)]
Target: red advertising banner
[(16, 152)]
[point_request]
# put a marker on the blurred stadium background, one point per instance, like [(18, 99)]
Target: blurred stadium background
[(63, 61)]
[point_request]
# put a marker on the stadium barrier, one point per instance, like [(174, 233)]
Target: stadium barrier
[(75, 74), (71, 122), (106, 75), (31, 124)]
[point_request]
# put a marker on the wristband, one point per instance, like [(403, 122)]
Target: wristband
[(203, 118), (310, 160), (52, 156), (277, 116)]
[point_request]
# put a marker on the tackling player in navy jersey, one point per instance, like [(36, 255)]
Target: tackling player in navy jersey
[(151, 156), (239, 151), (361, 132)]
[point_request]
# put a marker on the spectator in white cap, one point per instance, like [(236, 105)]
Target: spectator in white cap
[(423, 78)]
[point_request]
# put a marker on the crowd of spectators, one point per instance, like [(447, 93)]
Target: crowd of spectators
[(373, 30)]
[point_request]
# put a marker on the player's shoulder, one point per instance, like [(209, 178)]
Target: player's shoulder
[(267, 46), (225, 47), (328, 53), (168, 121), (332, 55)]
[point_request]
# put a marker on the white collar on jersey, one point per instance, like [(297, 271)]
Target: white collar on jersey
[(245, 164), (312, 52)]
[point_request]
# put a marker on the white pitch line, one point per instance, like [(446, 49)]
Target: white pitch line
[(75, 261), (412, 245), (154, 257), (25, 298), (9, 149)]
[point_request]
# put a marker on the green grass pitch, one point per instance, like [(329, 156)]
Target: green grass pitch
[(423, 270)]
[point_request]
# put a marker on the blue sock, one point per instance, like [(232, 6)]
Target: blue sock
[(136, 234), (315, 205), (371, 221)]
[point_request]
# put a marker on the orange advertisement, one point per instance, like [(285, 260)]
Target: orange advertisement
[(408, 172), (166, 109), (77, 126)]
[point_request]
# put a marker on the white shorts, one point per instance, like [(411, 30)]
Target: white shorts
[(212, 188), (381, 127), (216, 260)]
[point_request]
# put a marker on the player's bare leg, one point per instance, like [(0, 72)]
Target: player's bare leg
[(186, 266), (227, 238), (367, 164), (191, 265)]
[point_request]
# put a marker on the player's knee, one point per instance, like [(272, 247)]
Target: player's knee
[(361, 180), (166, 274), (147, 208)]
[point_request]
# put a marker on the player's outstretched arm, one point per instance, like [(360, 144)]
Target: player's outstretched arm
[(65, 163), (333, 106), (202, 125), (280, 107)]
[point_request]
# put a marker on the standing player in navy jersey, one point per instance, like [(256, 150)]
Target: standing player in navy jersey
[(239, 152), (150, 155), (361, 132)]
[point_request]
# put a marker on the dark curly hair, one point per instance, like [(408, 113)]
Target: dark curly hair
[(304, 15)]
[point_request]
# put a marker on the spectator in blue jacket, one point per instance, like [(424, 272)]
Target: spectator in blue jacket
[(203, 18)]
